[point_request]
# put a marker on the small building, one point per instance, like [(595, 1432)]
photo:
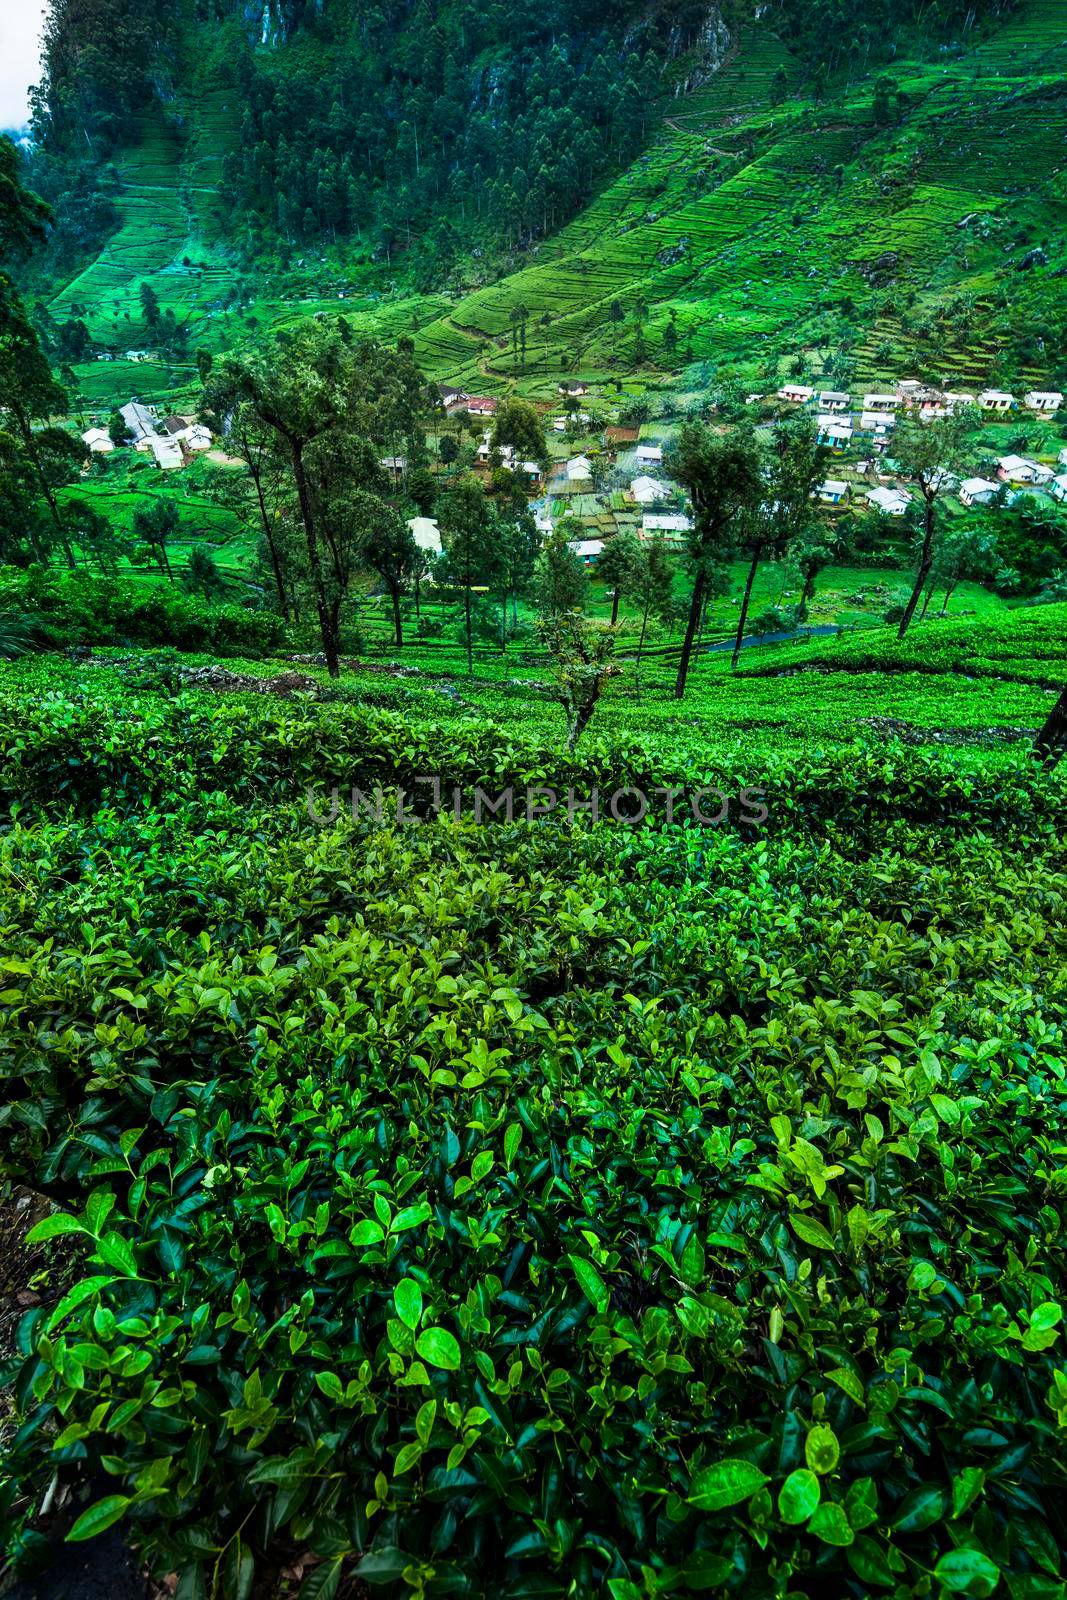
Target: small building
[(664, 527), (98, 441), (588, 551), (1020, 469), (574, 388), (890, 502), (648, 491), (797, 393), (480, 405), (834, 434), (174, 424), (140, 420), (881, 402), (195, 437), (578, 469), (395, 465), (834, 400), (1043, 400), (977, 491), (995, 400), (1058, 487), (168, 453), (833, 492), (877, 422), (957, 400), (933, 408), (649, 455), (452, 399), (426, 534)]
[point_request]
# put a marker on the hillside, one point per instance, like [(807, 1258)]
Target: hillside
[(750, 235)]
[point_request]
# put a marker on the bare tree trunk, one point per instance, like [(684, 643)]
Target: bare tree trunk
[(696, 605), (739, 637), (268, 534), (327, 624), (1051, 742), (926, 561), (394, 590)]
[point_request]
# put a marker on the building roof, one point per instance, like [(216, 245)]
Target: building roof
[(650, 452), (833, 486), (888, 499), (666, 522), (646, 490), (426, 533), (1035, 395), (880, 400), (994, 395), (140, 420), (974, 486), (1015, 463), (586, 547), (167, 452)]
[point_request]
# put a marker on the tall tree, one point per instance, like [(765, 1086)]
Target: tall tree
[(783, 513), (389, 548), (313, 388), (468, 526), (621, 568), (722, 473), (924, 453)]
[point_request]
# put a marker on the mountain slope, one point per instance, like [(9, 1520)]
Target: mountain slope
[(874, 240)]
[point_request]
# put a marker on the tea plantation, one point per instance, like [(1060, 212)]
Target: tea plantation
[(542, 1207)]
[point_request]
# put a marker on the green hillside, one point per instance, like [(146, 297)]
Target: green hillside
[(755, 231)]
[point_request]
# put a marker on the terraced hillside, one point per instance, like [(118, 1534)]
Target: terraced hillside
[(748, 230)]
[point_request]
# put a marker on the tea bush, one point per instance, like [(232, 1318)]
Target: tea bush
[(82, 608), (535, 1209)]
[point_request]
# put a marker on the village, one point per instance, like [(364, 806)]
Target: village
[(619, 479)]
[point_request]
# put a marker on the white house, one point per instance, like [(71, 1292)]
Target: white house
[(480, 405), (995, 400), (648, 491), (835, 434), (578, 469), (1043, 400), (140, 420), (977, 491), (833, 491), (587, 550), (881, 402), (929, 409), (890, 502), (877, 422), (426, 534), (98, 441), (665, 527), (561, 424), (958, 400), (1058, 487), (649, 455), (834, 400), (573, 387), (798, 393), (168, 453), (1019, 469), (195, 437)]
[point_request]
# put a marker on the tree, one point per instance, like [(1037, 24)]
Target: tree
[(1051, 742), (155, 525), (560, 582), (722, 474), (389, 548), (621, 566), (654, 592), (150, 306), (808, 556), (118, 432), (783, 514), (313, 389), (779, 87), (964, 552), (202, 575), (582, 654), (517, 424), (94, 535), (517, 549), (28, 391), (923, 453), (469, 529)]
